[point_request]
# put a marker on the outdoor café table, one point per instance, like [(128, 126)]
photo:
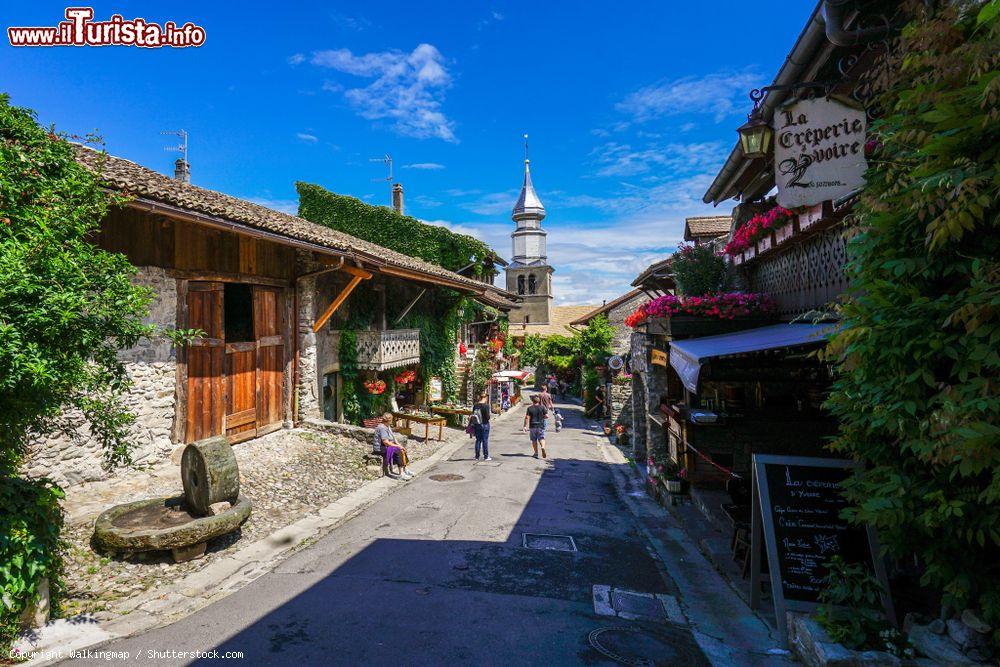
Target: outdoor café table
[(426, 421)]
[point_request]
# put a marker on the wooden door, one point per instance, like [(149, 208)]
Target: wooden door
[(269, 328), (241, 390), (205, 357)]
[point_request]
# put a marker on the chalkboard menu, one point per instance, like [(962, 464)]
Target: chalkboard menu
[(797, 505), (805, 506)]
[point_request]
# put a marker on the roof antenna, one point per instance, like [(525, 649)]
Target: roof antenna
[(387, 161), (182, 168)]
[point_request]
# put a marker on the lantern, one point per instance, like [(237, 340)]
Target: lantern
[(755, 136)]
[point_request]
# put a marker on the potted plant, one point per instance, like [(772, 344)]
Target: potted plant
[(675, 480)]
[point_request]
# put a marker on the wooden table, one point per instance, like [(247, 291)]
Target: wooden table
[(458, 412), (426, 421)]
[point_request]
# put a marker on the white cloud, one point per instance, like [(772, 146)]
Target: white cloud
[(493, 203), (308, 138), (618, 159), (427, 202), (296, 59), (289, 206), (356, 23), (428, 166), (408, 88), (721, 95)]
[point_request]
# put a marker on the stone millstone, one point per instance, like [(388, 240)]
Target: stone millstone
[(209, 474), (157, 524)]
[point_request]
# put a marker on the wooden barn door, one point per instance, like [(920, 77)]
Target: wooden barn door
[(269, 328), (205, 357)]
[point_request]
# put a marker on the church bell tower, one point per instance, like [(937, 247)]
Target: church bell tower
[(529, 274)]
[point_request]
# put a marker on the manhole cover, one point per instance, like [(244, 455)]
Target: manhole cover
[(637, 646), (549, 542), (643, 605), (447, 477)]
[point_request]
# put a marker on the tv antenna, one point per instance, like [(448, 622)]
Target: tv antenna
[(387, 161), (182, 147)]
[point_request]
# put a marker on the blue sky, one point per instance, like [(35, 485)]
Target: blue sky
[(631, 108)]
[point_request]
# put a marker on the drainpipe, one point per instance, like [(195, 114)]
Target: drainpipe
[(834, 15)]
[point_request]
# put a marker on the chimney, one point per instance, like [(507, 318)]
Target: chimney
[(182, 170), (397, 197)]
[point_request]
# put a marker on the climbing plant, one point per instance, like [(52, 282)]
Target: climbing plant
[(389, 229), (66, 309), (918, 355)]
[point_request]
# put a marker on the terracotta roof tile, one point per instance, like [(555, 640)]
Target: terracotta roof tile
[(706, 225), (562, 317), (137, 180)]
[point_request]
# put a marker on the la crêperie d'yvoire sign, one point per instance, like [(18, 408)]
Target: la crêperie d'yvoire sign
[(819, 151)]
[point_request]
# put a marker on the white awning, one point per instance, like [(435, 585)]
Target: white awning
[(510, 375), (687, 356)]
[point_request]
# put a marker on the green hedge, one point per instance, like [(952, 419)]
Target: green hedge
[(383, 226)]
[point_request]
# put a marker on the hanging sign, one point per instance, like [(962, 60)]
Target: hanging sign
[(819, 151), (658, 357), (435, 390), (796, 508)]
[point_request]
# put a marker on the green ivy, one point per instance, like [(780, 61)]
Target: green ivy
[(919, 353), (385, 227), (348, 356), (30, 548)]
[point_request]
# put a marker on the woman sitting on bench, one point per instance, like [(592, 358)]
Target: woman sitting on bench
[(391, 450)]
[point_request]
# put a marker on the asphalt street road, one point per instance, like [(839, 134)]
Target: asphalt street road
[(438, 571)]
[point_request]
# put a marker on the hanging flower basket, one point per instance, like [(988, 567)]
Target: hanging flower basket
[(375, 387), (406, 377)]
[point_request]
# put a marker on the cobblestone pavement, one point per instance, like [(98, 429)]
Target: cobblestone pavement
[(286, 475)]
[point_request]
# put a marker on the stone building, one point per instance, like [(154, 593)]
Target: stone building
[(261, 285), (529, 274)]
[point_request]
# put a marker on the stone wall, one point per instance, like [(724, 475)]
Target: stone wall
[(616, 317), (647, 387), (152, 365), (319, 351), (359, 434)]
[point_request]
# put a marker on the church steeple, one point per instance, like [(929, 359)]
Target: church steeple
[(529, 274), (528, 204)]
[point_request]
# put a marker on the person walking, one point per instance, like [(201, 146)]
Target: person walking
[(545, 400), (534, 423), (481, 425), (601, 402)]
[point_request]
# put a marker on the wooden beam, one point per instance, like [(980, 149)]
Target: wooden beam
[(360, 273), (341, 298)]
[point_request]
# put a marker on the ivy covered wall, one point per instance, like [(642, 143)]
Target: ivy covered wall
[(389, 229)]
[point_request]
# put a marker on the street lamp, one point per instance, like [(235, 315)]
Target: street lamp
[(755, 135)]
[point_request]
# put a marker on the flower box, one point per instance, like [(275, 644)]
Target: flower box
[(693, 326), (765, 243), (737, 259), (749, 253), (782, 234), (812, 216)]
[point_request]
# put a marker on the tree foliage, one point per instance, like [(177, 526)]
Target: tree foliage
[(389, 229), (66, 306), (698, 270), (919, 352)]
